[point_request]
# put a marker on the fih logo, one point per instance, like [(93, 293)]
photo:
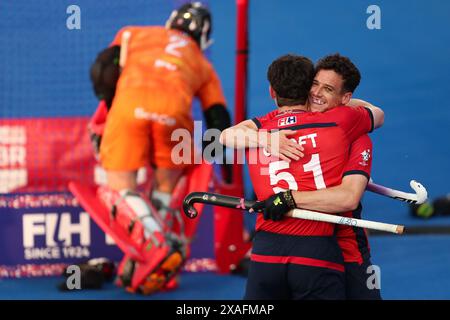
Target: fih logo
[(287, 121), (57, 233)]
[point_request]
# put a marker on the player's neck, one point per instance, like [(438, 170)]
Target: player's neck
[(298, 107)]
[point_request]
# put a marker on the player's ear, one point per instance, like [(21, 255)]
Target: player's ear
[(272, 93), (346, 98)]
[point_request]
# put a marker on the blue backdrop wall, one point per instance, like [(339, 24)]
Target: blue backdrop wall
[(405, 67)]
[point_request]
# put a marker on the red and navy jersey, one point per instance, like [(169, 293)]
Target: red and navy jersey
[(326, 138), (353, 241)]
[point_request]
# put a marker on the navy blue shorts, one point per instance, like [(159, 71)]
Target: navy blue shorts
[(285, 267), (360, 283)]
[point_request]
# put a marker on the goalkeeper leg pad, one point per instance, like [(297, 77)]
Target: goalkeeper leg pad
[(162, 264)]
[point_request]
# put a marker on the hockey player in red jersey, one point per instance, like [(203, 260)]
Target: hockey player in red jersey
[(336, 76), (298, 259)]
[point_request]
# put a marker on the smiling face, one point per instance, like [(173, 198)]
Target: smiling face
[(327, 91)]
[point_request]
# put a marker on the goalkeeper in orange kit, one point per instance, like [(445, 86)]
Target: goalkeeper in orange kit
[(143, 102)]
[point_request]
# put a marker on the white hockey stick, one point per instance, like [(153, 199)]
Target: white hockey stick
[(240, 203), (419, 197), (124, 48), (373, 225)]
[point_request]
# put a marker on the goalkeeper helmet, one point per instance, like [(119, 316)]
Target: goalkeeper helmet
[(193, 19)]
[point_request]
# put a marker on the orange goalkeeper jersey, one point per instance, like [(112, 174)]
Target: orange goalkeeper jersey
[(163, 71), (168, 61)]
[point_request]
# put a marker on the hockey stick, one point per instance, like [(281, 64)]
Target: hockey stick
[(240, 203), (419, 197), (124, 48)]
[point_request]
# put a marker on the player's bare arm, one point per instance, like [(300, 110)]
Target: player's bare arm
[(247, 135), (341, 198), (378, 113), (232, 136)]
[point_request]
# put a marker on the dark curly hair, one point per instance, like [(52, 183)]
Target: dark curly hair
[(291, 77), (342, 66)]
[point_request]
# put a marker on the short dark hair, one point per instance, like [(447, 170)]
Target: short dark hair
[(342, 66), (291, 77)]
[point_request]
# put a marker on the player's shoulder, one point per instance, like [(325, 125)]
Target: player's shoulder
[(135, 29), (186, 41), (185, 37), (264, 119), (343, 111), (271, 115)]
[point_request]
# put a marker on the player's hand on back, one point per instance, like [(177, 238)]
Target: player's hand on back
[(280, 145), (276, 206)]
